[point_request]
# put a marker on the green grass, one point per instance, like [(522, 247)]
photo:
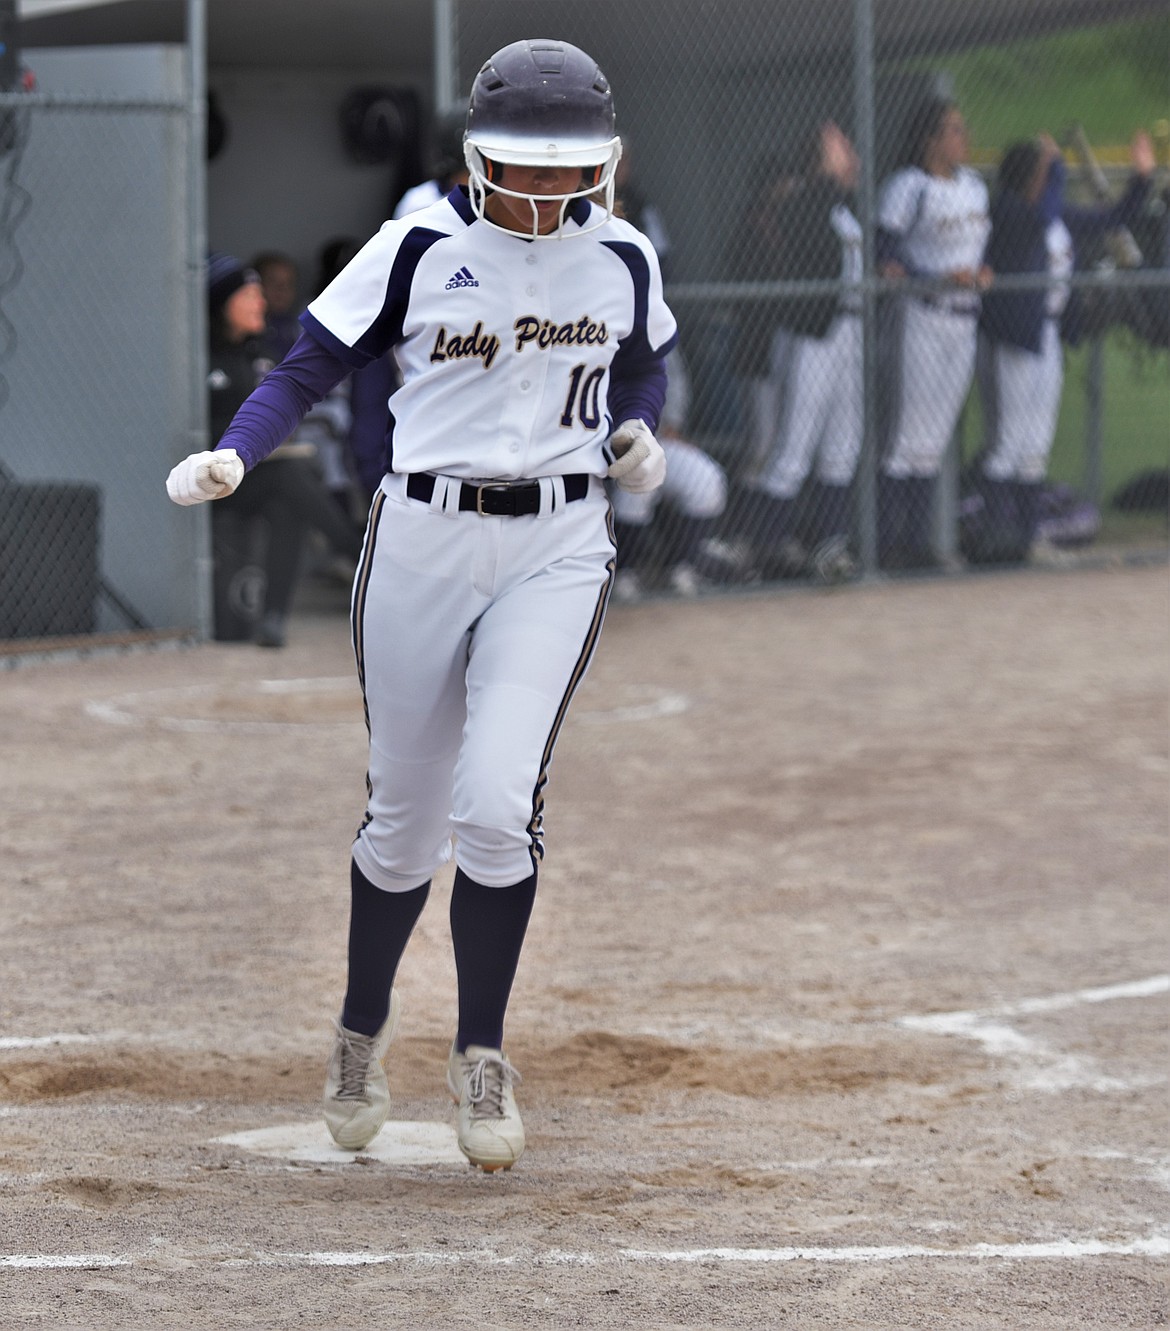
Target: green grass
[(1112, 78), (1135, 427)]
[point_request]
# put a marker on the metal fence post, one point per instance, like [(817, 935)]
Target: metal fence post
[(865, 499), (1094, 419), (197, 312)]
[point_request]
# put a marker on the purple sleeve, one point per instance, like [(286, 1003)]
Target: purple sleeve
[(275, 407), (637, 389), (1088, 224), (370, 390)]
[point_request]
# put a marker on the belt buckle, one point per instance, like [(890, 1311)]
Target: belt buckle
[(479, 489)]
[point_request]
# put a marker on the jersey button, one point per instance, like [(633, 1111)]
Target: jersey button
[(525, 385), (530, 259), (531, 291)]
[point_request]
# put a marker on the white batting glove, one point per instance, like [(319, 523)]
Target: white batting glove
[(640, 463), (204, 476)]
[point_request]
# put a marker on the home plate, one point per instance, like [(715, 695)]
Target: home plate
[(396, 1144)]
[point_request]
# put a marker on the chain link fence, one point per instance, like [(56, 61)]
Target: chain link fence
[(923, 323), (98, 384)]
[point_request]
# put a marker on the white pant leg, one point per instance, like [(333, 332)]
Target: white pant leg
[(529, 652), (1028, 386), (471, 634), (840, 445), (938, 363), (807, 393)]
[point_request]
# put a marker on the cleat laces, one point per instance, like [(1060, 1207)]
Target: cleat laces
[(487, 1080), (354, 1054)]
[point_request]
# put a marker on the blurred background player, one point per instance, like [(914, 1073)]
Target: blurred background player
[(448, 168), (259, 536), (812, 424), (279, 281), (669, 533), (1020, 365), (933, 220)]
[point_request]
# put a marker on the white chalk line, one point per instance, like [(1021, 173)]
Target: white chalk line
[(1043, 1068), (46, 1041), (1153, 1247), (127, 709), (666, 704)]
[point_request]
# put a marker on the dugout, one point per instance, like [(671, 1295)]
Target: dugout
[(122, 200)]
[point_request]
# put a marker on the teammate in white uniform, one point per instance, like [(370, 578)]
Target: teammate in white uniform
[(933, 222), (448, 167), (527, 320), (696, 491), (1020, 366)]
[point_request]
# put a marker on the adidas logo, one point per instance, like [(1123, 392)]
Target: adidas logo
[(463, 278)]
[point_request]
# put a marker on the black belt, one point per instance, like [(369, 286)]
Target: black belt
[(497, 499)]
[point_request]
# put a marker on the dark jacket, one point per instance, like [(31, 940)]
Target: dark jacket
[(233, 370), (795, 241), (810, 251), (1017, 246)]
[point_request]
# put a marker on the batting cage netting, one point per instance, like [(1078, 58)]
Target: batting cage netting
[(918, 252)]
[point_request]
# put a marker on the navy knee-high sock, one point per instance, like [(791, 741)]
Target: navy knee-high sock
[(920, 513), (893, 502), (1028, 497), (832, 511), (380, 925), (488, 925)]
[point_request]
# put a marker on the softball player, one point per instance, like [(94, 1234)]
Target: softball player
[(526, 320), (696, 490), (1020, 363), (815, 370), (933, 222)]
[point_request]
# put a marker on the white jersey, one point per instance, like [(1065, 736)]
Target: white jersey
[(1058, 242), (418, 196), (459, 300), (943, 222)]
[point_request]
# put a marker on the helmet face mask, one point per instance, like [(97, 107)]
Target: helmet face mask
[(541, 103)]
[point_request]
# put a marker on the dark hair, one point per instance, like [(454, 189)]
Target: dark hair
[(924, 124), (1017, 167)]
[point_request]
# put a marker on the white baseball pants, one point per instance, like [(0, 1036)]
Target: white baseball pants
[(471, 634)]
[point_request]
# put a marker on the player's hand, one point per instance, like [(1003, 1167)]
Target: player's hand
[(1141, 153), (204, 476), (639, 462), (1049, 148)]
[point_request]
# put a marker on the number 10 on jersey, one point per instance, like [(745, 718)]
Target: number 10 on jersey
[(584, 398)]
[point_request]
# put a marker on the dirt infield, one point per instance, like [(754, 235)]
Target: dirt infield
[(844, 1003)]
